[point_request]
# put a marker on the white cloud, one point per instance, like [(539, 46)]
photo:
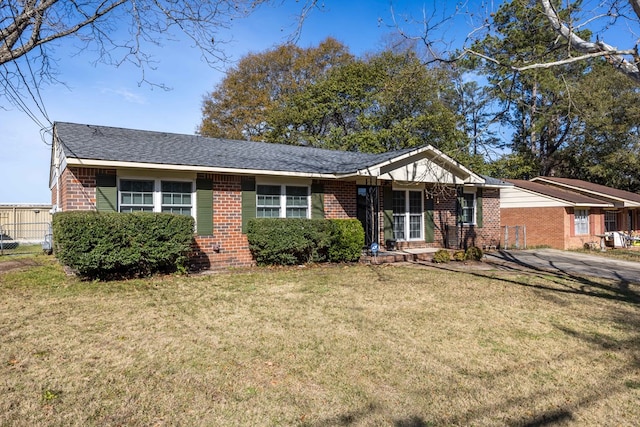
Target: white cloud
[(126, 94)]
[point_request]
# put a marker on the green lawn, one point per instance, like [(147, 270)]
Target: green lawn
[(318, 346)]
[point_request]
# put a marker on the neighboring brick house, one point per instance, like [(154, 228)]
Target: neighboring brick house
[(414, 197), (567, 213)]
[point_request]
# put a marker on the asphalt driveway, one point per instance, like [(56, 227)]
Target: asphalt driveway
[(571, 263)]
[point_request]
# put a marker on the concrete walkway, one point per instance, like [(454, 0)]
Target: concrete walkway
[(571, 263)]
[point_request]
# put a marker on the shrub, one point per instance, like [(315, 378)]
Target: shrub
[(459, 255), (290, 241), (115, 245), (474, 253), (347, 240), (441, 256)]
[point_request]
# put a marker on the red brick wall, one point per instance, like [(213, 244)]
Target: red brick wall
[(228, 247), (545, 226), (553, 226), (340, 200), (78, 188), (489, 234)]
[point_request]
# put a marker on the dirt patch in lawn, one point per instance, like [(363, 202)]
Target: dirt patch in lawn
[(16, 264)]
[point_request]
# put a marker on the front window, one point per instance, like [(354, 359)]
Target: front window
[(610, 221), (468, 208), (268, 203), (136, 196), (152, 195), (282, 201), (581, 221), (176, 197), (407, 215)]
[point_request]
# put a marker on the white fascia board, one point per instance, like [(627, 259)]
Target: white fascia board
[(204, 169)]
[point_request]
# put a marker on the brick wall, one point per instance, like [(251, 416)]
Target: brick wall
[(553, 226), (340, 200), (78, 188), (596, 226), (545, 226), (228, 247)]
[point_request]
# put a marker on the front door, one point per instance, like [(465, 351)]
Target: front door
[(367, 212)]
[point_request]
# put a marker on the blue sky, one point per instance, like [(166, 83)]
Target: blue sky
[(104, 95)]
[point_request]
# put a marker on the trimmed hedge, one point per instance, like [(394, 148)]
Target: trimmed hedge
[(347, 240), (120, 245), (292, 241)]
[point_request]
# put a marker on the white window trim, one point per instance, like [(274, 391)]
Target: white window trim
[(407, 214), (283, 196), (475, 207), (157, 190), (586, 221)]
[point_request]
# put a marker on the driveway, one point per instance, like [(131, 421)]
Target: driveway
[(571, 263)]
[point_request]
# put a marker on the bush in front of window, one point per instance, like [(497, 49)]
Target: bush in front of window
[(288, 241), (347, 240), (120, 245)]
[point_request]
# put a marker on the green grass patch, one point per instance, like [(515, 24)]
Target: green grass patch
[(335, 345)]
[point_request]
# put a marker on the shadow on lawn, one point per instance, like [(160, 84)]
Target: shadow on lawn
[(357, 417), (567, 282)]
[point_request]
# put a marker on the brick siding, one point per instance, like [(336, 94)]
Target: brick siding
[(228, 247), (340, 200), (553, 226)]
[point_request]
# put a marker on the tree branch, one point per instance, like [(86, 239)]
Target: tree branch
[(599, 48)]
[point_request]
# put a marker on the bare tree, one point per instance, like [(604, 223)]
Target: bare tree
[(117, 31)]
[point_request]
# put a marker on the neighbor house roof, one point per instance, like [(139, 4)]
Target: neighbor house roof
[(595, 190), (97, 146), (572, 197)]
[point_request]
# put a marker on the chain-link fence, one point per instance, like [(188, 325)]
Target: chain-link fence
[(24, 237)]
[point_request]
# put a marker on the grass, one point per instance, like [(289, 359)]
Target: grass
[(617, 253), (318, 346), (20, 251)]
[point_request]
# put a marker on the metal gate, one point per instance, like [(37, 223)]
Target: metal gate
[(514, 237)]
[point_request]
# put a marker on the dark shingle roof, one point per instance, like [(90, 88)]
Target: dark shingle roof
[(592, 188), (488, 180), (128, 145), (557, 193)]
